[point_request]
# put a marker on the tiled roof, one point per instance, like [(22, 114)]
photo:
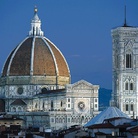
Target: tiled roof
[(37, 56), (43, 59), (61, 63)]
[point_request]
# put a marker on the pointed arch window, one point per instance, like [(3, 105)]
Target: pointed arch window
[(131, 107), (131, 86), (126, 86), (126, 107), (128, 61)]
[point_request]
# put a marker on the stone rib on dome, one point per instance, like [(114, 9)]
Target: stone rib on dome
[(19, 61), (37, 56), (62, 64)]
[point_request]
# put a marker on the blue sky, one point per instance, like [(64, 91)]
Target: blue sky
[(81, 29)]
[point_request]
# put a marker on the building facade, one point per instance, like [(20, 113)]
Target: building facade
[(125, 69), (35, 85)]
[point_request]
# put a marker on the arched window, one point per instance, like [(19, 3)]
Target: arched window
[(43, 90), (131, 86), (126, 107), (131, 107), (128, 61), (19, 109), (126, 86), (14, 109)]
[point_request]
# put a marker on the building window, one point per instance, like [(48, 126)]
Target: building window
[(132, 108), (95, 105), (126, 86), (68, 105), (19, 109), (61, 103), (44, 90), (68, 99), (20, 90), (128, 61), (126, 107), (131, 86), (95, 100), (14, 109), (52, 105), (36, 105)]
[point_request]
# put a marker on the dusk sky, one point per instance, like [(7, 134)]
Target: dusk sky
[(81, 29)]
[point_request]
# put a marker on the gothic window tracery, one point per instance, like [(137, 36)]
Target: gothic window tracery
[(129, 84)]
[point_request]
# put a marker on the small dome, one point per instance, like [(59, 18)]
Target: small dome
[(110, 112), (38, 57)]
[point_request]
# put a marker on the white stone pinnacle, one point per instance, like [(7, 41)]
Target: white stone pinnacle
[(36, 25)]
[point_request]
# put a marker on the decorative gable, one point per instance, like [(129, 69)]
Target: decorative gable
[(82, 86)]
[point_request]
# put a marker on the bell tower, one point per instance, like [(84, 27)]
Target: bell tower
[(125, 68)]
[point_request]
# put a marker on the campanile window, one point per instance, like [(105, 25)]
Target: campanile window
[(126, 107), (128, 61), (126, 86), (131, 86)]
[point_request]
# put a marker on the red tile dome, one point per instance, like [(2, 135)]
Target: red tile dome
[(37, 57)]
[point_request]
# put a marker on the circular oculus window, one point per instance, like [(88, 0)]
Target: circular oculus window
[(81, 105), (20, 90)]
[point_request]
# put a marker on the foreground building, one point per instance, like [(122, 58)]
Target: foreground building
[(125, 69), (35, 85)]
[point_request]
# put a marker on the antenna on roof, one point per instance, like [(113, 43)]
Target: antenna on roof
[(125, 24)]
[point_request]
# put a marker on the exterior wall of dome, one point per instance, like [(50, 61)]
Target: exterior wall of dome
[(37, 61)]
